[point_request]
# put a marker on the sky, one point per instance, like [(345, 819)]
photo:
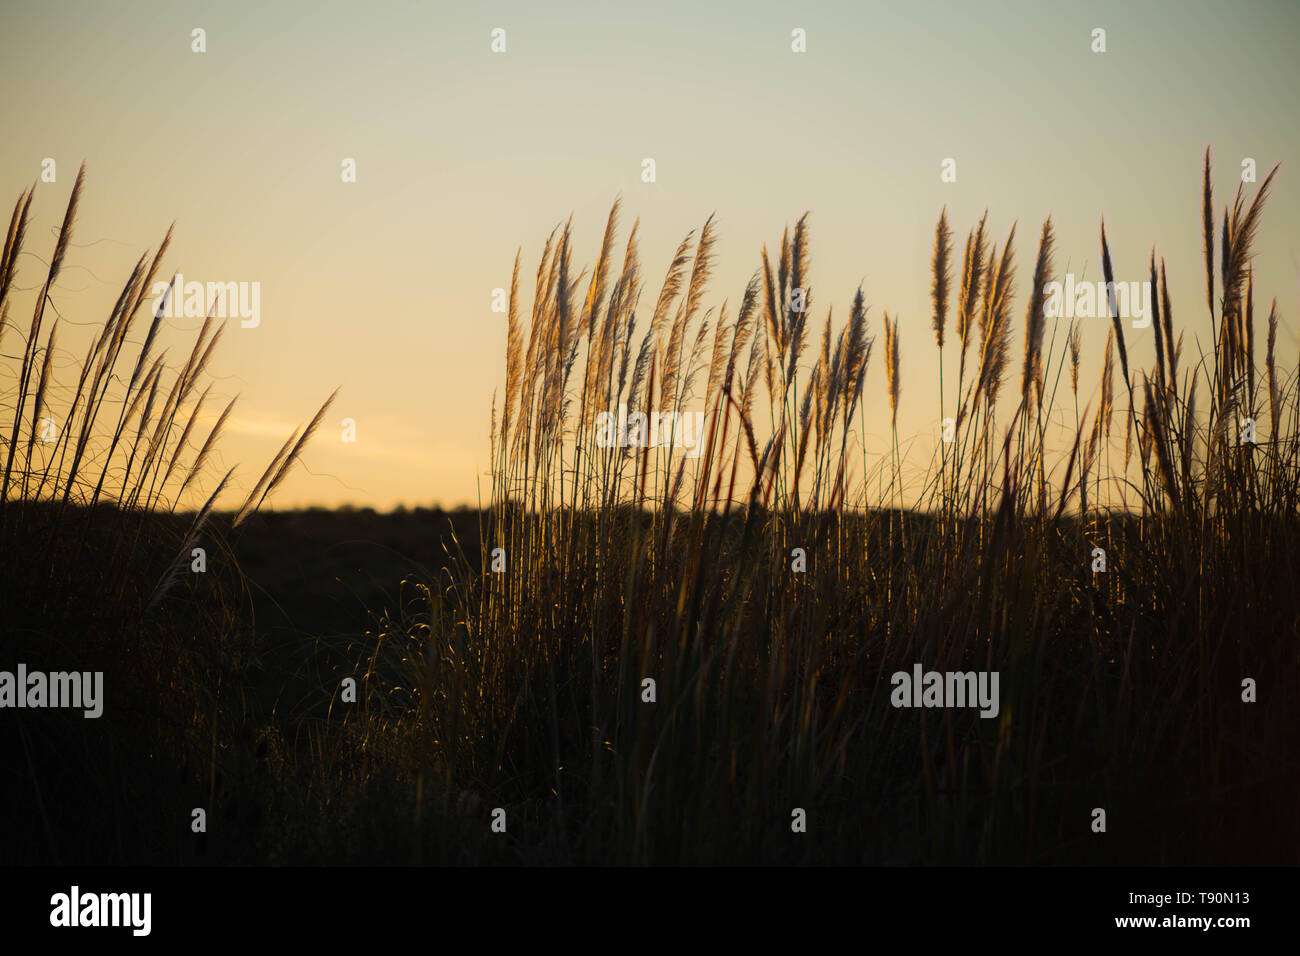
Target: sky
[(383, 286)]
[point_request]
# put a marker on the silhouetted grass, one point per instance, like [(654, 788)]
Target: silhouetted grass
[(521, 686), (1120, 689), (95, 559)]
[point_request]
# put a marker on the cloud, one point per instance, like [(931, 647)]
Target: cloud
[(432, 458)]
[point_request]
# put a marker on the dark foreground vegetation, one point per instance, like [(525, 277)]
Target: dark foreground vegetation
[(223, 699), (766, 586)]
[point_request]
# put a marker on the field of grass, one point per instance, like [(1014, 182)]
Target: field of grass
[(768, 587)]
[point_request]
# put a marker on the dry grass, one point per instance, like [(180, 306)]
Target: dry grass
[(1120, 689), (523, 688), (98, 520)]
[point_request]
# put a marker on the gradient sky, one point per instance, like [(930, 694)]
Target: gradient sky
[(383, 286)]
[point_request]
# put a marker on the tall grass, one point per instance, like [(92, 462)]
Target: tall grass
[(1120, 689), (768, 587), (100, 513), (130, 420)]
